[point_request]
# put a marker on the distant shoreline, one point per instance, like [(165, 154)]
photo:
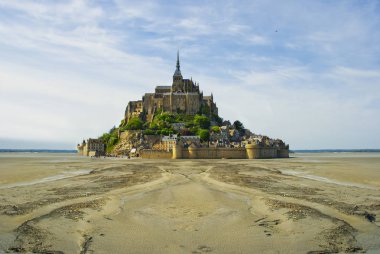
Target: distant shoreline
[(292, 151), (36, 151)]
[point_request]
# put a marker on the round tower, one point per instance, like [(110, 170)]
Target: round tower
[(253, 151), (177, 150), (192, 151)]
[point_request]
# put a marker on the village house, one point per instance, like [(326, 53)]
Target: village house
[(168, 142)]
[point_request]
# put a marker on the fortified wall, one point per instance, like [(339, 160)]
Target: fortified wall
[(250, 151), (155, 154)]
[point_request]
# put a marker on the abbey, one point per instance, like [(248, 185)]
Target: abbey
[(183, 96)]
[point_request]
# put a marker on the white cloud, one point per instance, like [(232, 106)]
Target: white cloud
[(357, 73), (259, 40)]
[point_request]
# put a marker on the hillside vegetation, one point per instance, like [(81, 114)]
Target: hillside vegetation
[(162, 124)]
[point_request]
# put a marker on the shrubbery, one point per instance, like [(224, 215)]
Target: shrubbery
[(134, 123), (110, 139), (162, 125), (204, 134), (217, 119), (238, 125), (202, 121), (149, 132), (215, 128)]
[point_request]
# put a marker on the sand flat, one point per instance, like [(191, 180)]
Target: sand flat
[(194, 206)]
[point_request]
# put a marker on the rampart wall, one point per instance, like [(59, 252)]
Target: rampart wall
[(248, 152), (155, 154), (213, 153)]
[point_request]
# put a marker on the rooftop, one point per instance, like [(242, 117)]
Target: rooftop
[(163, 87)]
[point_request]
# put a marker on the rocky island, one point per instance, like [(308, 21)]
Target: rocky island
[(179, 122)]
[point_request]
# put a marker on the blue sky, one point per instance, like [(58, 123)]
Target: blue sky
[(304, 71)]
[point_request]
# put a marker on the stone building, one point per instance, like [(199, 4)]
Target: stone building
[(183, 96), (93, 147), (167, 142), (190, 140)]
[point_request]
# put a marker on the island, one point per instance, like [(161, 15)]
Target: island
[(179, 122)]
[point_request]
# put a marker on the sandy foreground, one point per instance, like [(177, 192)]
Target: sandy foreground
[(314, 203)]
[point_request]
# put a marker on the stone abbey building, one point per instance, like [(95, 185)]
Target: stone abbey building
[(183, 96)]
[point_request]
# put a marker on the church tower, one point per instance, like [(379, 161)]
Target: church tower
[(177, 74), (177, 77)]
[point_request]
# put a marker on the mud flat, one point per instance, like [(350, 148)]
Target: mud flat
[(306, 204)]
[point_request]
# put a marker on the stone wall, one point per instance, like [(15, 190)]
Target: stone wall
[(155, 154), (85, 150), (249, 152), (283, 153), (213, 153), (257, 152)]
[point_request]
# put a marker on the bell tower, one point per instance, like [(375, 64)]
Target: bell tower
[(177, 77)]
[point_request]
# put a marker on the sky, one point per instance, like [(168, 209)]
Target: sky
[(307, 72)]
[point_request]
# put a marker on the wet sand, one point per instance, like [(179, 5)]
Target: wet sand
[(313, 203)]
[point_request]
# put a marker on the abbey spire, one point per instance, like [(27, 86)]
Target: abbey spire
[(178, 61), (177, 72)]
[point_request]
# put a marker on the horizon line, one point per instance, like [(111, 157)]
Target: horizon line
[(290, 150)]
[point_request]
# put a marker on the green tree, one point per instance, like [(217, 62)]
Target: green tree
[(154, 126), (205, 110), (158, 111), (238, 125), (188, 118), (165, 131), (204, 134), (194, 130), (112, 141), (112, 129), (189, 124), (179, 118), (105, 137), (202, 121), (215, 128), (217, 119), (134, 123), (149, 132), (166, 117)]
